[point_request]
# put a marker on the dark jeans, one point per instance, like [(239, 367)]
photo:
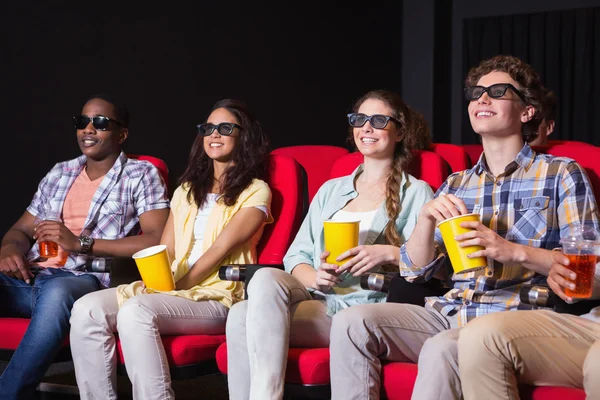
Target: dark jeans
[(48, 302)]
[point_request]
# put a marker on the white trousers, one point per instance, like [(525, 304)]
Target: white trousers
[(140, 322)]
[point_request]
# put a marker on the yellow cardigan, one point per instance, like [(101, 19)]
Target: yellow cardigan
[(184, 212)]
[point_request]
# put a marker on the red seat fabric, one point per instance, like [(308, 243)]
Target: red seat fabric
[(12, 331), (317, 162), (586, 155), (157, 162), (186, 349), (424, 165), (305, 366), (287, 188), (568, 142), (398, 381), (456, 156), (473, 151)]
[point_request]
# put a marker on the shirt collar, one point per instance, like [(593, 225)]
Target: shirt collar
[(524, 159)]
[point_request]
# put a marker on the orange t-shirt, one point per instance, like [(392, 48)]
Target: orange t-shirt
[(74, 213)]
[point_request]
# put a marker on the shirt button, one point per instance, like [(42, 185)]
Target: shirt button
[(468, 302), (537, 203), (496, 213), (498, 183)]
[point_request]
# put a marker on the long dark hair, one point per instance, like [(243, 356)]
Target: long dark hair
[(249, 159), (415, 136)]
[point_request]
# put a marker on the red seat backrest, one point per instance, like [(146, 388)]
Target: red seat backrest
[(288, 185), (474, 151), (456, 156), (424, 165), (569, 142), (587, 156), (317, 161), (157, 162)]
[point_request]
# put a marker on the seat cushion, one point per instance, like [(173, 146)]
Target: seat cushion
[(12, 331), (399, 381), (304, 367), (186, 349)]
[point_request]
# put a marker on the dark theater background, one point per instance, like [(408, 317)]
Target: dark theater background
[(300, 66)]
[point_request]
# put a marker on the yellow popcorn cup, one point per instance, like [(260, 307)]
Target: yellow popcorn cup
[(450, 228), (339, 237), (155, 268)]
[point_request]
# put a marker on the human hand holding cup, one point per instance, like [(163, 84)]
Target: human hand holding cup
[(155, 268), (459, 255), (48, 248), (581, 246)]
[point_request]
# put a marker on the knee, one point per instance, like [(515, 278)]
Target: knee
[(134, 316), (352, 324), (267, 283), (486, 335), (236, 319), (591, 366), (86, 312), (441, 347)]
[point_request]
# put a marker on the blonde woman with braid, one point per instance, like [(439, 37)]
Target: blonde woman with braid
[(299, 303)]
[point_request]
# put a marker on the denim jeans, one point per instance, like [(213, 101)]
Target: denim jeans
[(47, 301)]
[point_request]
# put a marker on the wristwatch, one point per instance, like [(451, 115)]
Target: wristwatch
[(86, 244)]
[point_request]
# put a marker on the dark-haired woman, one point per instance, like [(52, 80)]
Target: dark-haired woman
[(298, 303), (217, 216)]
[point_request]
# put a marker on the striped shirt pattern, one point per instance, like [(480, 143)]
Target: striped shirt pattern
[(533, 202), (130, 188)]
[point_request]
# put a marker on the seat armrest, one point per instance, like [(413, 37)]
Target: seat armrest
[(534, 296), (243, 273), (400, 291)]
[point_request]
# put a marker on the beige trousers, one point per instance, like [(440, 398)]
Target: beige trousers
[(279, 313), (362, 337), (541, 348), (141, 320)]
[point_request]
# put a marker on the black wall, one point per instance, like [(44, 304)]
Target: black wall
[(299, 66)]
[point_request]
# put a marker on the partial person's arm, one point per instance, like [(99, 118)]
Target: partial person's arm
[(15, 245), (244, 224)]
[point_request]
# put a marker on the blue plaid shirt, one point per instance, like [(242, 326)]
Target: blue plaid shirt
[(129, 189), (533, 202)]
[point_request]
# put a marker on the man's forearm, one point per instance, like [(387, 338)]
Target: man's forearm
[(124, 247), (533, 258), (420, 246), (17, 239)]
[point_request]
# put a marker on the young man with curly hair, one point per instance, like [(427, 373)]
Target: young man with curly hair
[(526, 202)]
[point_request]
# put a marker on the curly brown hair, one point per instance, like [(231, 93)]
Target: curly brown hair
[(528, 80), (416, 136), (249, 159)]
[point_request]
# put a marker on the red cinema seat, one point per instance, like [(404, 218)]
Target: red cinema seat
[(473, 151), (317, 161), (398, 381), (194, 355), (425, 165), (456, 156), (13, 329), (587, 156)]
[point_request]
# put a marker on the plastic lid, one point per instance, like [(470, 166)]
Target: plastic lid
[(578, 234)]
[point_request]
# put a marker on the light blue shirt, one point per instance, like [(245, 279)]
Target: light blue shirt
[(332, 197)]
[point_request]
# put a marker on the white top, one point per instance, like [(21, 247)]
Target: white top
[(200, 226), (365, 218)]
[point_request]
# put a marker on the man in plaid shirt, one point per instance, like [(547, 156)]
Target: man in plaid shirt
[(104, 199), (527, 202)]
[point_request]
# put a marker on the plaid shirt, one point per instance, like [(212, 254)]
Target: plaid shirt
[(532, 203), (129, 189)]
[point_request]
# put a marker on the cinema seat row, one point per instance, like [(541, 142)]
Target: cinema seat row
[(295, 174)]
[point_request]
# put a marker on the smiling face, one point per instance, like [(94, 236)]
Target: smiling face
[(219, 147), (99, 144), (503, 116), (376, 143)]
